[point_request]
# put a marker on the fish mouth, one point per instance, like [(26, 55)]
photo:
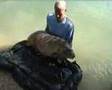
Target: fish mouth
[(70, 54)]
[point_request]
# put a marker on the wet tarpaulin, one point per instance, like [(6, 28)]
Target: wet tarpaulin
[(33, 71)]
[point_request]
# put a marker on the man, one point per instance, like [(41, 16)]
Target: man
[(58, 23)]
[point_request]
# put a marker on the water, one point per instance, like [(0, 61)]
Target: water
[(92, 42)]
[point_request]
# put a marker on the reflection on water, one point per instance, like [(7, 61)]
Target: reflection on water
[(97, 76), (92, 41)]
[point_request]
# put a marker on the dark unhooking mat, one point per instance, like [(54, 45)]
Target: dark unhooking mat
[(32, 71)]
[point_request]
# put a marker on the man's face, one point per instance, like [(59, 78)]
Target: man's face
[(60, 13)]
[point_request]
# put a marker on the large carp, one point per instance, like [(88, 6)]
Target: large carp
[(50, 45)]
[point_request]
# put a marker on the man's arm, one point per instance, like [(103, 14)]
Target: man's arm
[(47, 29), (70, 35)]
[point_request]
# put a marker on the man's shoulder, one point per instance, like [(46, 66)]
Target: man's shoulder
[(69, 22), (50, 15)]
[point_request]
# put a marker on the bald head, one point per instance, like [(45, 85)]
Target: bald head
[(60, 9), (60, 4)]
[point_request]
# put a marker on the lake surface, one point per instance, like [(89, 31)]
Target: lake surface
[(93, 33)]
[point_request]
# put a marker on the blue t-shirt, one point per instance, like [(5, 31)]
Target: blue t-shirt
[(64, 29)]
